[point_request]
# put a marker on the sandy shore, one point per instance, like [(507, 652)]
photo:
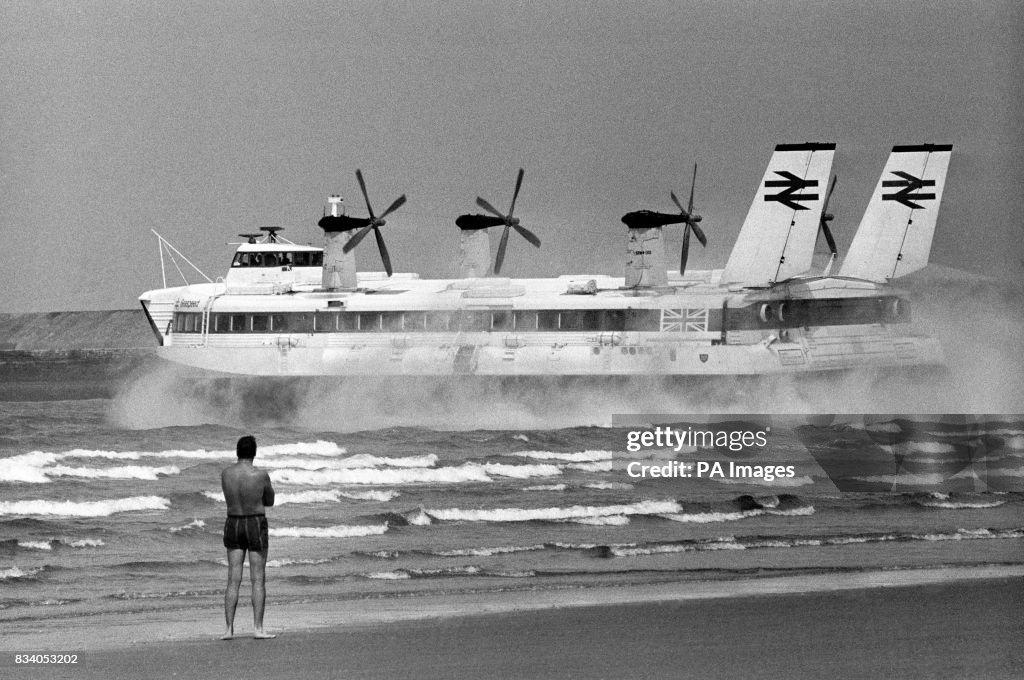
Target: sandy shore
[(921, 623)]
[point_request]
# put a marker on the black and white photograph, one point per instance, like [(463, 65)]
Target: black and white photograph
[(525, 340)]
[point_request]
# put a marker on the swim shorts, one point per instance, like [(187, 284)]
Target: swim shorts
[(246, 532)]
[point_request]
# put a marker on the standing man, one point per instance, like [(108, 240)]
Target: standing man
[(248, 492)]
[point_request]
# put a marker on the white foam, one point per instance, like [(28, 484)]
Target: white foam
[(83, 542), (605, 466), (357, 461), (35, 545), (372, 495), (314, 496), (612, 486), (388, 575), (26, 467), (522, 471), (555, 513), (486, 552), (577, 457), (15, 572), (337, 531), (84, 508), (194, 524), (711, 517), (545, 487), (126, 472), (469, 472), (609, 520)]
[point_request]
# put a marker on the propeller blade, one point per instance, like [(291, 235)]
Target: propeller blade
[(477, 221), (366, 196), (489, 208), (698, 233), (824, 207), (693, 185), (515, 194), (383, 250), (685, 251), (828, 238), (675, 200), (825, 217), (394, 206), (354, 241), (527, 234), (501, 251)]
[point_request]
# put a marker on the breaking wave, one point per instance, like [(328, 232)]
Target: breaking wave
[(84, 508)]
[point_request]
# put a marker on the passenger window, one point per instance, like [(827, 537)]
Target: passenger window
[(279, 323), (501, 321), (369, 321), (391, 321), (260, 323), (525, 320), (238, 323), (439, 321), (547, 321), (415, 321)]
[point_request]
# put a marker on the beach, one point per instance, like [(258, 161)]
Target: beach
[(934, 623)]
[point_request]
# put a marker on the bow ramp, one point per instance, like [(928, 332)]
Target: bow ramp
[(777, 239), (895, 234)]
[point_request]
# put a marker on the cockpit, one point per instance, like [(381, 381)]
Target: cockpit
[(270, 258)]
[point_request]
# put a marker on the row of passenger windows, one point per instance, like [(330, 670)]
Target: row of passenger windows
[(779, 314), (302, 258), (442, 321)]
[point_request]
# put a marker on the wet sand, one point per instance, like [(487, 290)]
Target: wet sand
[(860, 626)]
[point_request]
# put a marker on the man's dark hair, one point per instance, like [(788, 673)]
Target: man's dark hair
[(247, 447)]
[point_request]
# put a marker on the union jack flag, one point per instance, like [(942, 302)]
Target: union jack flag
[(684, 320)]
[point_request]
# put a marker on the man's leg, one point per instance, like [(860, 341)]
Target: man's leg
[(236, 558), (258, 577)]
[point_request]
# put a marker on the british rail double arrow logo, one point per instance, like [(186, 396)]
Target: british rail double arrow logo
[(792, 184), (910, 184)]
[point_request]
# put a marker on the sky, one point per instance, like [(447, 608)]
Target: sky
[(202, 120)]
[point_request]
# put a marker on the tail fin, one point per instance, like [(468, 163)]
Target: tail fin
[(778, 236), (895, 234)]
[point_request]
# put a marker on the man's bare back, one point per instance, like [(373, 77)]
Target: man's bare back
[(248, 492)]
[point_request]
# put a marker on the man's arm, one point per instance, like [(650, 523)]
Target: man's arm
[(268, 491)]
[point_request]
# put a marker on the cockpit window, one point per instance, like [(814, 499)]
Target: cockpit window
[(303, 258)]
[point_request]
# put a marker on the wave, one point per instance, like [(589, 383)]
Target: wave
[(486, 552), (447, 572), (782, 542), (194, 524), (127, 472), (611, 486), (578, 457), (337, 531), (358, 461), (521, 471), (84, 508), (371, 495), (546, 487), (553, 513), (14, 573), (603, 521), (470, 472)]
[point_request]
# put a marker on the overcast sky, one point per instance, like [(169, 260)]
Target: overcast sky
[(202, 120)]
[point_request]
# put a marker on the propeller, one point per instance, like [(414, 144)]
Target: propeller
[(496, 218), (365, 224), (827, 217), (647, 219)]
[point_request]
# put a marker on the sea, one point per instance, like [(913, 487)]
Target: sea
[(114, 504)]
